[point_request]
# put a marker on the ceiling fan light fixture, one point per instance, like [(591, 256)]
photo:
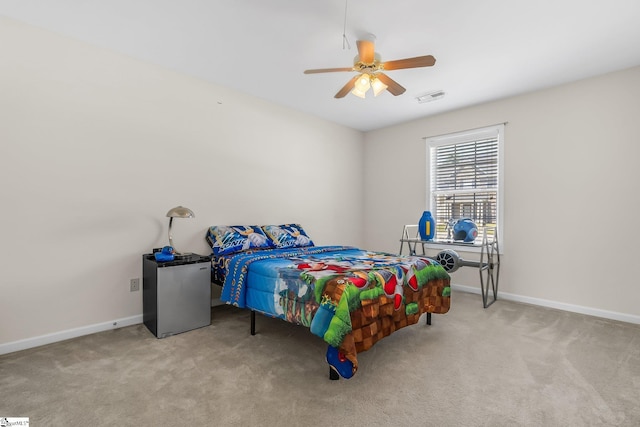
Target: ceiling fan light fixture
[(377, 86), (363, 83), (359, 93), (370, 67)]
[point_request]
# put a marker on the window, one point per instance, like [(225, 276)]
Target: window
[(466, 180)]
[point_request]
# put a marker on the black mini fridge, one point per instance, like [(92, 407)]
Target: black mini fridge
[(176, 295)]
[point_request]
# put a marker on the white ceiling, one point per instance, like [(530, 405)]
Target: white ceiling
[(485, 50)]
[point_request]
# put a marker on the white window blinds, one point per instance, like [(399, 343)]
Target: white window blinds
[(465, 179)]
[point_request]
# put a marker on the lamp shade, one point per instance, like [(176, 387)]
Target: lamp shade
[(180, 212), (357, 92), (377, 86), (363, 82)]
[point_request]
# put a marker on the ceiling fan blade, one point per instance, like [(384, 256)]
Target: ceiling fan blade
[(346, 88), (327, 70), (392, 86), (366, 51), (418, 61)]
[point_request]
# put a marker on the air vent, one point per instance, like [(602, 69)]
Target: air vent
[(430, 96)]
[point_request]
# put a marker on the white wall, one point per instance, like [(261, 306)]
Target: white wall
[(96, 147), (571, 191)]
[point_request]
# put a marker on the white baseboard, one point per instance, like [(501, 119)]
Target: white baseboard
[(613, 315), (27, 343), (134, 320)]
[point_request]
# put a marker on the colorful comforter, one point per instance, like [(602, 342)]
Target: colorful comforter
[(349, 297)]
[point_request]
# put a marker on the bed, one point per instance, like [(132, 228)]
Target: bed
[(349, 297)]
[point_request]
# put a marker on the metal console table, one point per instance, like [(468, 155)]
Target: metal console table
[(488, 266)]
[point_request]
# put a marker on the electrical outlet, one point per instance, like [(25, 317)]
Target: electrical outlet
[(134, 285)]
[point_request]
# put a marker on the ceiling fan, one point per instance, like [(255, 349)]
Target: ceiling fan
[(368, 64)]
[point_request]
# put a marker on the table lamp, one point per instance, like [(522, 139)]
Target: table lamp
[(178, 212)]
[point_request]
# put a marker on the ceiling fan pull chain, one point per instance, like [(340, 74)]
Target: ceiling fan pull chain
[(344, 39), (344, 29)]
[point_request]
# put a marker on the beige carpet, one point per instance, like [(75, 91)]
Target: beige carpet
[(508, 365)]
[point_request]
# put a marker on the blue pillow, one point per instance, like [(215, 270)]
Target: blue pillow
[(287, 236), (226, 240)]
